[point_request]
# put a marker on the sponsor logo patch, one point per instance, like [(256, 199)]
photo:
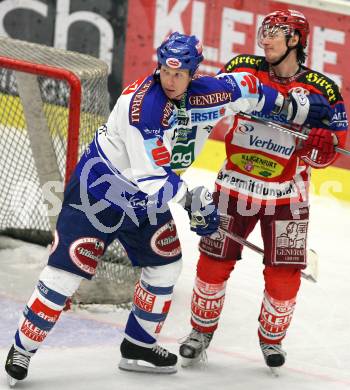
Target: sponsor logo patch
[(44, 311), (257, 165), (273, 323), (182, 155), (245, 128), (290, 242), (211, 99), (212, 114), (157, 152), (327, 84), (143, 299), (207, 308), (160, 154), (270, 145), (132, 87), (173, 63), (165, 241), (85, 253), (217, 243), (33, 332), (250, 82), (168, 114), (245, 60), (136, 103)]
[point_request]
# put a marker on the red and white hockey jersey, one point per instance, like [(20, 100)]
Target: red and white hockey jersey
[(262, 164)]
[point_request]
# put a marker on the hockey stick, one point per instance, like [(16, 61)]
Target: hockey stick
[(288, 130), (309, 273)]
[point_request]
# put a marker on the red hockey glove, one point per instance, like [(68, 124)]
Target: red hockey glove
[(318, 149)]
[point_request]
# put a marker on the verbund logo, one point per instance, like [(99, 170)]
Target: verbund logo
[(270, 145)]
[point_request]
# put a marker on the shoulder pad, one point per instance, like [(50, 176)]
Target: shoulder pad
[(326, 86), (208, 91), (138, 101), (244, 61), (150, 110)]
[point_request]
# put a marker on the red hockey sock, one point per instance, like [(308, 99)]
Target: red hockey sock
[(281, 288), (209, 292)]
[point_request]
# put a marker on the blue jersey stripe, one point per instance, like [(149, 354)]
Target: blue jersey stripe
[(157, 290), (37, 321), (152, 178), (147, 316), (51, 295)]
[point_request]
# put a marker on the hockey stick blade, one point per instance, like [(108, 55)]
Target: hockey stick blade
[(289, 130), (11, 381), (309, 273)]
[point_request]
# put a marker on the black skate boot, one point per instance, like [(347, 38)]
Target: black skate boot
[(16, 366), (137, 358), (274, 356), (193, 348)]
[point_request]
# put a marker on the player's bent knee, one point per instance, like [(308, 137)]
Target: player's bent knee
[(282, 282), (213, 270), (61, 281), (162, 275)]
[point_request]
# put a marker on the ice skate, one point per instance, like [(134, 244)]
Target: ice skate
[(16, 366), (274, 356), (193, 348), (155, 359)]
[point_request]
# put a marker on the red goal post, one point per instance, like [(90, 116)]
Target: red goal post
[(51, 103), (74, 101)]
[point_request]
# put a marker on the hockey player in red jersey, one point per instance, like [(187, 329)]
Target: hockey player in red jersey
[(266, 178)]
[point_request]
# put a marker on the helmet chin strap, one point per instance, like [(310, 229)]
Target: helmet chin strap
[(285, 55)]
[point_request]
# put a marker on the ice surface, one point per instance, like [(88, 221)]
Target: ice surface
[(82, 352)]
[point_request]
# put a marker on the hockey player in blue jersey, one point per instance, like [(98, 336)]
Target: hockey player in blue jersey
[(121, 189)]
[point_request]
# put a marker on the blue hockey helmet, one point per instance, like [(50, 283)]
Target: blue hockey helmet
[(180, 51)]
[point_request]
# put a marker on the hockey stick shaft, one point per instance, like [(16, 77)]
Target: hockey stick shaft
[(255, 248), (288, 130), (242, 241)]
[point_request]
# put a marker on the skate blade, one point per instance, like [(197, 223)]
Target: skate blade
[(11, 381), (188, 362), (275, 371), (142, 366)]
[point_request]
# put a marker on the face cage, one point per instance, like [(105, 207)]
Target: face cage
[(271, 31)]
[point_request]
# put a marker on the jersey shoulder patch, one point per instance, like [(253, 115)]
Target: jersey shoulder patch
[(244, 62), (323, 84), (208, 91), (138, 101), (150, 110)]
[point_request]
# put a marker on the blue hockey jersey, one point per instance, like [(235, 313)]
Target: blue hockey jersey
[(135, 159)]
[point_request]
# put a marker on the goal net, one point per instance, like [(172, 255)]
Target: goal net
[(51, 103)]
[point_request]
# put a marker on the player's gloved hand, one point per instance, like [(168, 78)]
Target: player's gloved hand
[(312, 109), (318, 149), (204, 219)]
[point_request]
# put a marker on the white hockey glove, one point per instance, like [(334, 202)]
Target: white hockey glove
[(313, 109), (203, 214)]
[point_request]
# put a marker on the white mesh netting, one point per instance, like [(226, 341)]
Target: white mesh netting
[(23, 212)]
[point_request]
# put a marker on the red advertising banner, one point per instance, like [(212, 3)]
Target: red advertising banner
[(228, 28)]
